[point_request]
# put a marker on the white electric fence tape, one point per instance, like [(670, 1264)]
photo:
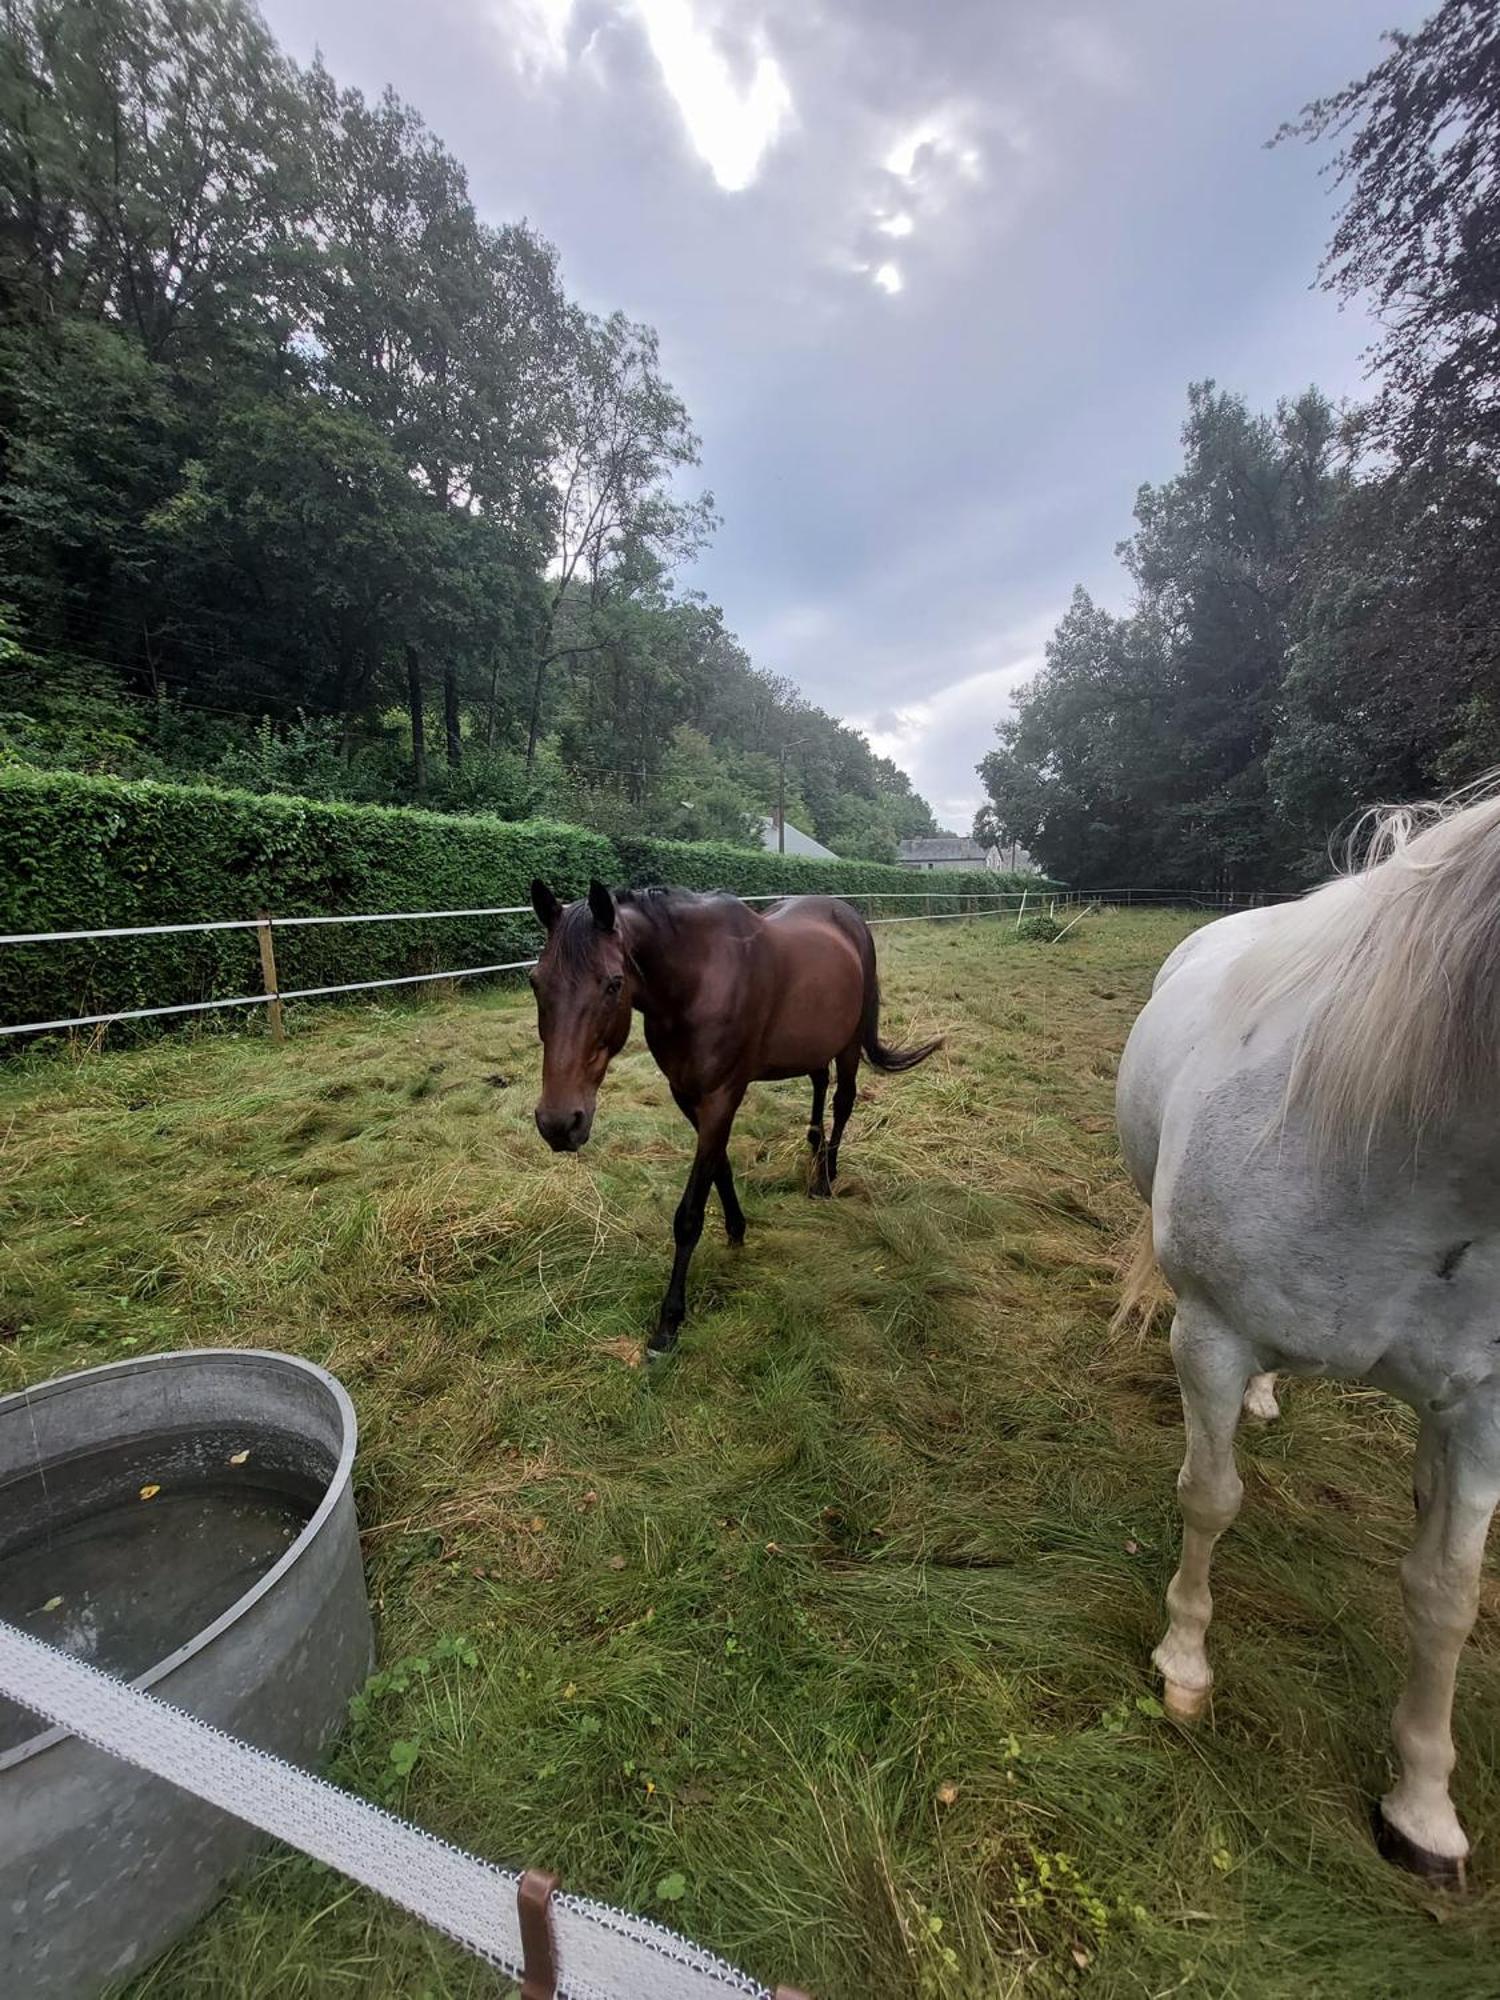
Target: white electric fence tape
[(602, 1953)]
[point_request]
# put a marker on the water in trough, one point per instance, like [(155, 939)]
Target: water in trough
[(121, 1555)]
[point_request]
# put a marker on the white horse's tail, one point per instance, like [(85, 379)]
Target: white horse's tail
[(1397, 971), (1143, 1290)]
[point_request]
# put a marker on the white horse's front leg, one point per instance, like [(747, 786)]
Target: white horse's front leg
[(1457, 1487), (1212, 1370), (1260, 1398)]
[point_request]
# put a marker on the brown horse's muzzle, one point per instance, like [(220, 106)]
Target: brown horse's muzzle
[(565, 1131)]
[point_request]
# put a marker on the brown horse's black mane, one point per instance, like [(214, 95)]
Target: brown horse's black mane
[(577, 932)]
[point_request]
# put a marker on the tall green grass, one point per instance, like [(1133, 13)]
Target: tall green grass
[(838, 1625)]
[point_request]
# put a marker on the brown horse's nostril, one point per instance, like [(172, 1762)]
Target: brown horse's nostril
[(564, 1131)]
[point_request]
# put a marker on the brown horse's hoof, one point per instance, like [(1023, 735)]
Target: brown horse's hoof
[(663, 1342), (820, 1190), (1444, 1871)]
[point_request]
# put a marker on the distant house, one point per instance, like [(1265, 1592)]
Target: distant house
[(797, 842), (957, 850)]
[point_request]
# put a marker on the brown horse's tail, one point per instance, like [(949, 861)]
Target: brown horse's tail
[(876, 1052)]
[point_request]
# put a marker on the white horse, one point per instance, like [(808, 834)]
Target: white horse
[(1310, 1103)]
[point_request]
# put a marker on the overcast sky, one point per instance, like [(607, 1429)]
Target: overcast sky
[(932, 278)]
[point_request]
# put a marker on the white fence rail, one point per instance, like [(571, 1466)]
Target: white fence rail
[(585, 1950), (997, 903)]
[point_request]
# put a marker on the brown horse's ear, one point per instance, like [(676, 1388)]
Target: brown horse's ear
[(602, 903), (545, 904)]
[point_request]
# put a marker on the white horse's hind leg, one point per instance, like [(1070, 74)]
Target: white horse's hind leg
[(1457, 1487), (1212, 1370), (1260, 1398)]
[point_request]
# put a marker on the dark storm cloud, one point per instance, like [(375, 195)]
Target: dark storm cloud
[(933, 281)]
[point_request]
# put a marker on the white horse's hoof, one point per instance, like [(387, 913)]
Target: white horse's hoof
[(1447, 1871), (1183, 1704), (1260, 1399)]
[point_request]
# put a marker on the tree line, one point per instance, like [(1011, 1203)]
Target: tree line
[(312, 479), (1314, 623)]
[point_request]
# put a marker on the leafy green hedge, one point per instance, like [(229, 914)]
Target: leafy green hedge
[(92, 853), (710, 864), (86, 853)]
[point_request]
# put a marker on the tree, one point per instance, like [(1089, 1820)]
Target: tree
[(625, 436), (152, 170), (91, 442), (699, 798), (1139, 754), (906, 813), (436, 327), (1390, 693), (1419, 233), (861, 832), (1079, 777), (302, 527)]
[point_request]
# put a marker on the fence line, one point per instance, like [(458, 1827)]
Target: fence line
[(1001, 902), (261, 999), (427, 916), (594, 1952), (1229, 898), (405, 979), (133, 1014), (939, 917), (253, 923)]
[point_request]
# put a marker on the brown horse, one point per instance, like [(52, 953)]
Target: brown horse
[(729, 997)]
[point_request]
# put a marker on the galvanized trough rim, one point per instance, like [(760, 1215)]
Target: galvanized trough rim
[(138, 1364)]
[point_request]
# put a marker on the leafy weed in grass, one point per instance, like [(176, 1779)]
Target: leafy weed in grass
[(842, 1623)]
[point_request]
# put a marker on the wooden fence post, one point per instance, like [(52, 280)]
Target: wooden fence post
[(534, 1895), (268, 974)]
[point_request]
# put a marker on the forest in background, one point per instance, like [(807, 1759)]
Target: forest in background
[(313, 481), (1315, 614)]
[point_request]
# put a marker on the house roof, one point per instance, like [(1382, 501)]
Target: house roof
[(941, 847), (797, 842)]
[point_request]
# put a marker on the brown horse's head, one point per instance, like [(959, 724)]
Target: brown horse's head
[(583, 988)]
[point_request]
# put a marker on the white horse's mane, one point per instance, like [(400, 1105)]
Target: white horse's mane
[(1397, 969)]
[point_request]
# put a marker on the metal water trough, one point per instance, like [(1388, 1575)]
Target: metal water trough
[(101, 1865)]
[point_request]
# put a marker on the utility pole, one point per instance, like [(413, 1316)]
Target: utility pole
[(781, 805)]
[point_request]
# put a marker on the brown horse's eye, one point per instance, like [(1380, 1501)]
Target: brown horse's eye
[(612, 987)]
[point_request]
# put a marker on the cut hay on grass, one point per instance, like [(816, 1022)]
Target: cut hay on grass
[(838, 1624)]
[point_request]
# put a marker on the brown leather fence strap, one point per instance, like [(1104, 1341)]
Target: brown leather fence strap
[(538, 1946), (790, 1993)]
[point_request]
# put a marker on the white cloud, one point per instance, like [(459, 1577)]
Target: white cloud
[(940, 166), (537, 31), (939, 137), (799, 629), (938, 740), (731, 128), (1094, 54)]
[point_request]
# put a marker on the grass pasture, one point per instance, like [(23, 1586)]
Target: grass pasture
[(827, 1643)]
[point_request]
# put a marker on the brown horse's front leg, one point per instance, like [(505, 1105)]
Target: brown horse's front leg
[(715, 1117), (734, 1215)]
